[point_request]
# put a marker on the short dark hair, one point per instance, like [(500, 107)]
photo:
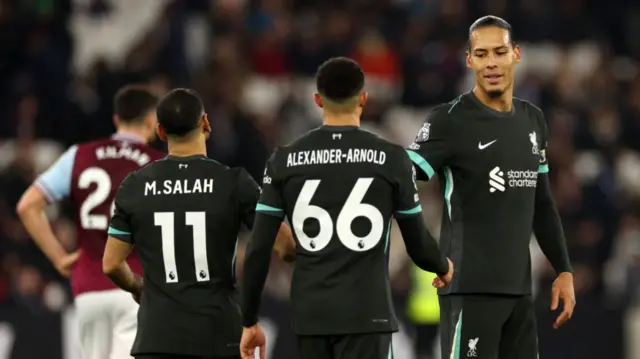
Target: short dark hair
[(339, 79), (133, 102), (490, 21), (179, 112)]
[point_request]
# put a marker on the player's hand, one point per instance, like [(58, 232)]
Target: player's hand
[(252, 338), (445, 280), (563, 290), (65, 263)]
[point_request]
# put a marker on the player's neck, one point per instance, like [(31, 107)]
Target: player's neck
[(504, 103), (343, 119), (186, 149), (133, 131)]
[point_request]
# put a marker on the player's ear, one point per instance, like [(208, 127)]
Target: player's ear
[(468, 60), (364, 96), (516, 53), (162, 135), (318, 100), (206, 126), (116, 121)]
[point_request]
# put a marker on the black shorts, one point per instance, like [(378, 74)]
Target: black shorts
[(488, 327), (175, 356), (351, 346)]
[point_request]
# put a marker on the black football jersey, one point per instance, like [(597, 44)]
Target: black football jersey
[(183, 214), (340, 186), (488, 163)]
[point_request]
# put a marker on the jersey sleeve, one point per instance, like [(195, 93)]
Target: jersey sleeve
[(55, 183), (544, 142), (406, 198), (248, 195), (271, 202), (431, 148), (120, 226)]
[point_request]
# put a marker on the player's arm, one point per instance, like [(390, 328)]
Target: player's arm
[(256, 265), (52, 186), (547, 228), (115, 266), (268, 221), (421, 246), (546, 221), (431, 148), (285, 245), (249, 195), (120, 242)]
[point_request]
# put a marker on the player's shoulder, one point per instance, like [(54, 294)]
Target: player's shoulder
[(71, 152), (440, 118), (527, 107), (376, 142), (91, 145), (442, 111), (86, 153), (531, 111), (281, 151), (230, 176), (128, 184), (305, 140), (150, 169), (445, 113), (239, 174), (279, 155)]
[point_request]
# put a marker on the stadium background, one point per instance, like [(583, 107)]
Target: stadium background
[(253, 61)]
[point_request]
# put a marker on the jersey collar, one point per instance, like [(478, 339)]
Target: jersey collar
[(489, 110), (338, 128), (188, 158), (128, 137)]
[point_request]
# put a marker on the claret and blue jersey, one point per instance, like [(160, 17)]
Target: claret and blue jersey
[(88, 174)]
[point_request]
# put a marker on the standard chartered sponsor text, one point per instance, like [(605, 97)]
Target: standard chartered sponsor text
[(526, 178)]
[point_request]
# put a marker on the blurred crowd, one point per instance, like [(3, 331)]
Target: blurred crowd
[(253, 62)]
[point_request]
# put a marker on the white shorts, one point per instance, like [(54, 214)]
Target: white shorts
[(107, 323)]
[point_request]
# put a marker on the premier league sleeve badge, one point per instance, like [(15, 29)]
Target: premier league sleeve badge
[(423, 134)]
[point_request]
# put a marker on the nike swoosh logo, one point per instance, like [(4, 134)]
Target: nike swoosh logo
[(482, 147)]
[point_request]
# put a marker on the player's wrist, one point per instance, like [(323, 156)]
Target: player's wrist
[(58, 255), (249, 323), (444, 268), (136, 285), (249, 318)]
